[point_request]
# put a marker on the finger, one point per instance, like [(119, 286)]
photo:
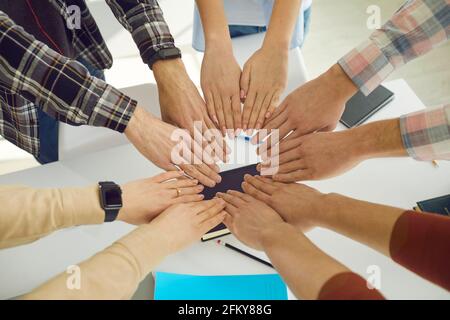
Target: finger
[(193, 171), (300, 175), (228, 113), (228, 222), (242, 196), (188, 198), (259, 184), (247, 111), (211, 211), (219, 112), (245, 83), (169, 175), (210, 172), (271, 182), (274, 123), (212, 222), (180, 183), (284, 157), (210, 107), (262, 112), (232, 210), (204, 205), (283, 131), (254, 192), (292, 166), (260, 98), (217, 146), (272, 106), (231, 199), (237, 112)]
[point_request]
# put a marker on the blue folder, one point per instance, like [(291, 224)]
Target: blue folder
[(170, 286)]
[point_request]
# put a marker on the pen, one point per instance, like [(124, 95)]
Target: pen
[(229, 246), (435, 163)]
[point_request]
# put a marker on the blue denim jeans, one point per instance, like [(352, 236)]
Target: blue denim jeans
[(239, 31), (49, 127)]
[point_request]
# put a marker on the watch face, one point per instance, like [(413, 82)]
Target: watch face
[(113, 197)]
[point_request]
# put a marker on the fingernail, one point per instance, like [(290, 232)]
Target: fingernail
[(215, 120), (242, 94), (201, 196), (268, 114), (238, 132), (244, 127), (258, 126), (232, 136), (224, 131), (200, 187), (249, 132)]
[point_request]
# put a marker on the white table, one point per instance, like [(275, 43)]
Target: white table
[(399, 182)]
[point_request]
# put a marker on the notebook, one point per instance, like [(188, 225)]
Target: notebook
[(171, 286), (440, 205), (231, 180)]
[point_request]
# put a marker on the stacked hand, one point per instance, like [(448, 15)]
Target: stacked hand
[(145, 199), (259, 86)]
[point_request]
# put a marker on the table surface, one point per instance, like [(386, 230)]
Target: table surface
[(397, 182)]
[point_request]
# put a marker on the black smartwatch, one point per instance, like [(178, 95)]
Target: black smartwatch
[(164, 54), (110, 199)]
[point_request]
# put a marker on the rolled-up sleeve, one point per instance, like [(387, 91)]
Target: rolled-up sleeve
[(145, 21), (62, 87), (415, 29), (426, 134)]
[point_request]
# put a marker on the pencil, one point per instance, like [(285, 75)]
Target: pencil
[(229, 246)]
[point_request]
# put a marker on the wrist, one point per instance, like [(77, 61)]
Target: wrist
[(341, 85), (273, 232), (167, 70), (378, 139), (334, 205)]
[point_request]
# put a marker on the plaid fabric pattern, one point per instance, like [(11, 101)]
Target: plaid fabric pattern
[(34, 76), (426, 134), (415, 29)]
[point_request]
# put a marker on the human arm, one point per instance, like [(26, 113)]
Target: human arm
[(220, 72), (264, 76), (27, 214), (115, 272), (417, 241), (415, 29), (304, 267)]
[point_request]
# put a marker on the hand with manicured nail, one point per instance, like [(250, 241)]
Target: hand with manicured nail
[(220, 76), (263, 81)]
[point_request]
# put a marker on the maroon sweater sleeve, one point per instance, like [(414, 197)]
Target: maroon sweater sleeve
[(348, 286), (421, 243)]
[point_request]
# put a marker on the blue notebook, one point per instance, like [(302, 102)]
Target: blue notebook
[(171, 286)]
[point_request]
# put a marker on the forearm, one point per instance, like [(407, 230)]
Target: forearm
[(215, 25), (284, 15), (415, 29), (365, 222), (303, 266), (377, 139), (62, 87), (27, 214), (113, 273)]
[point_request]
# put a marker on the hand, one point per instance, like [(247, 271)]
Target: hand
[(152, 138), (315, 106), (297, 204), (143, 200), (263, 80), (315, 156), (220, 77), (248, 218), (182, 105), (183, 224)]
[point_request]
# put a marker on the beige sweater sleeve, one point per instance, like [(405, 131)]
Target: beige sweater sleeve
[(113, 273), (27, 214)]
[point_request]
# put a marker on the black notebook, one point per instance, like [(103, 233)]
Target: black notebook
[(440, 205), (231, 180)]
